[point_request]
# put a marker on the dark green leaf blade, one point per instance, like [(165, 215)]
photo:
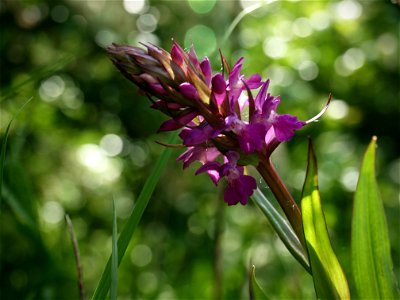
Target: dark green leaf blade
[(370, 246), (114, 257), (282, 228), (3, 156), (130, 227), (329, 279)]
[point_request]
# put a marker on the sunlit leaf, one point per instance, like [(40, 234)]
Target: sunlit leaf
[(282, 228), (255, 291), (130, 227), (370, 247), (329, 279)]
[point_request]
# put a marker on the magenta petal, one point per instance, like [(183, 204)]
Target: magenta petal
[(260, 98), (213, 165), (254, 81), (176, 54), (246, 188), (188, 91), (231, 196), (285, 125), (212, 168), (169, 125), (205, 67), (187, 117)]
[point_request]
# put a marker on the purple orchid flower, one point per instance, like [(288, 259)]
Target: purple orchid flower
[(239, 186), (209, 110)]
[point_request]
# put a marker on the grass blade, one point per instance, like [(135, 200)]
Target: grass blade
[(3, 157), (255, 291), (114, 257), (129, 228), (370, 246), (282, 228), (77, 255), (329, 279)]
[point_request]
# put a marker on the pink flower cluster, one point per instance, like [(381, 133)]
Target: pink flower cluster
[(222, 125)]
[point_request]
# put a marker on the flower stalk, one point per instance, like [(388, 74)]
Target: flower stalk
[(283, 196)]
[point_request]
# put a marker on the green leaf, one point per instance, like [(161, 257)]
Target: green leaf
[(329, 279), (282, 228), (255, 291), (370, 247), (129, 228), (3, 156), (114, 257)]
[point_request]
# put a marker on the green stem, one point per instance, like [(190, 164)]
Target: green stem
[(281, 193)]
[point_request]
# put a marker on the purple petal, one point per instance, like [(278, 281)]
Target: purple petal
[(187, 117), (219, 88), (285, 125), (198, 135), (254, 81), (176, 54), (260, 98), (169, 125), (213, 165), (212, 168), (205, 67), (188, 91), (231, 196), (252, 137), (246, 187)]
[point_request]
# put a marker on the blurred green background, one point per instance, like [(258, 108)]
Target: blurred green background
[(87, 137)]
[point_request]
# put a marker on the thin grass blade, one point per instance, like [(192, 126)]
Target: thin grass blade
[(370, 246), (114, 257), (130, 227), (3, 157), (282, 228), (329, 279)]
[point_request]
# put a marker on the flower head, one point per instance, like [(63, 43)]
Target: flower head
[(221, 122)]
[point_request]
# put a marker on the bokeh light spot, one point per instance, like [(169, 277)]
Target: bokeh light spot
[(348, 10), (201, 6), (112, 144), (147, 282), (135, 6), (338, 109), (51, 88), (275, 47), (141, 255), (320, 20), (308, 70), (350, 61), (105, 38), (59, 14), (146, 23), (30, 16), (302, 27), (349, 179), (387, 44), (204, 39), (52, 212)]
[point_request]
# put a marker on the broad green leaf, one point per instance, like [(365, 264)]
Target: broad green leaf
[(282, 228), (130, 227), (329, 279), (370, 247), (255, 291), (114, 257)]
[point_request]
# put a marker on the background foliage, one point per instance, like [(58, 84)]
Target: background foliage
[(88, 137)]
